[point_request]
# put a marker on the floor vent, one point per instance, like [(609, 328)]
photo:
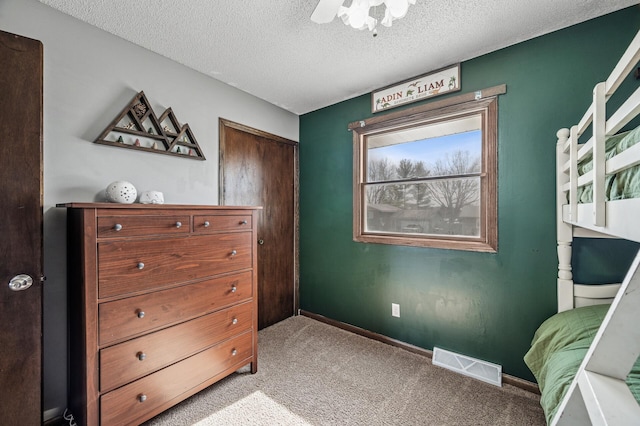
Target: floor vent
[(481, 370)]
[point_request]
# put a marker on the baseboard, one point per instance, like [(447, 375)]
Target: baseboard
[(506, 378), (521, 383), (370, 334)]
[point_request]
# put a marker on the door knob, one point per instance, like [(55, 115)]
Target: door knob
[(20, 282), (261, 241)]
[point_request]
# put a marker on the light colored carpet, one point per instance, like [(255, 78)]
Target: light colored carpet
[(311, 373)]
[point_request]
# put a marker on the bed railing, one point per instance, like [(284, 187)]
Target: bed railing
[(569, 153), (599, 394)]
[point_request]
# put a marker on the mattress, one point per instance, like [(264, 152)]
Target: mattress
[(625, 184), (557, 350)]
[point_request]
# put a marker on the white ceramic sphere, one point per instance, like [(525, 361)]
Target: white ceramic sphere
[(121, 192)]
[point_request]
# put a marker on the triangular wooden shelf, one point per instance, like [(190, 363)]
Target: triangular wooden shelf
[(169, 122), (181, 136), (138, 127)]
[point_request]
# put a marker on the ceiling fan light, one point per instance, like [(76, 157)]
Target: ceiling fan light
[(397, 8), (388, 19), (357, 21), (371, 23), (358, 14), (343, 13)]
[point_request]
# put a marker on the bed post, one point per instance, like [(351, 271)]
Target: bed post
[(564, 230)]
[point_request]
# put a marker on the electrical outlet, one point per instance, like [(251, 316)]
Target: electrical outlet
[(395, 310)]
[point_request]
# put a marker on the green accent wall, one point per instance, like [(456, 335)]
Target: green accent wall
[(479, 304)]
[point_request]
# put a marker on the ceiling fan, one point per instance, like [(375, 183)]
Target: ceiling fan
[(357, 14)]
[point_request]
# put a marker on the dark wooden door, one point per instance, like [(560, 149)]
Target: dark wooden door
[(20, 229), (260, 169)]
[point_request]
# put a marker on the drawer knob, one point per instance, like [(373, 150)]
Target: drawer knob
[(140, 265), (117, 227), (234, 289), (234, 252), (141, 356), (234, 352), (234, 321), (140, 313), (244, 222), (142, 397), (206, 224), (178, 224)]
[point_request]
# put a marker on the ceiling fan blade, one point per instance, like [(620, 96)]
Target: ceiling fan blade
[(325, 11)]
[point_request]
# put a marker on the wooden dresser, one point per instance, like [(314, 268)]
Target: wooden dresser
[(162, 303)]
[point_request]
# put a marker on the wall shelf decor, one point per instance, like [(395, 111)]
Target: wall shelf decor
[(138, 127)]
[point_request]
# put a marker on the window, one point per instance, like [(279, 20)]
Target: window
[(426, 176)]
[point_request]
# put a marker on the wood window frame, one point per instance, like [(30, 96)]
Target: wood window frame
[(483, 103)]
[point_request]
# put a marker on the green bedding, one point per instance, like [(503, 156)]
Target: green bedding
[(558, 348), (625, 184)]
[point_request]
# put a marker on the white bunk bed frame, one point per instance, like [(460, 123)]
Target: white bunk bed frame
[(598, 394)]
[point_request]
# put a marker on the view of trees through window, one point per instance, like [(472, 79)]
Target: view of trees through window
[(427, 176), (428, 186)]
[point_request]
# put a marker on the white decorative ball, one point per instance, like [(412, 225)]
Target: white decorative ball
[(152, 197), (121, 192)]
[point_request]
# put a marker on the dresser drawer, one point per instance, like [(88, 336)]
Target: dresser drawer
[(124, 318), (137, 401), (135, 358), (130, 226), (137, 265), (215, 223)]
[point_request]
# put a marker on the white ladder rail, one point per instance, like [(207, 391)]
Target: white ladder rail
[(599, 392), (608, 401)]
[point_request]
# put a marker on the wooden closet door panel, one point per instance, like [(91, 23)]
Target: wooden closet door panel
[(21, 86), (261, 169)]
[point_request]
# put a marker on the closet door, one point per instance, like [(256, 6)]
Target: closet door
[(261, 169), (21, 230)]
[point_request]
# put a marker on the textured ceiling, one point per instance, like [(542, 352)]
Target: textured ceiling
[(271, 49)]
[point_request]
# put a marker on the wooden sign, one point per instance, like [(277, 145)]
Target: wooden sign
[(445, 80)]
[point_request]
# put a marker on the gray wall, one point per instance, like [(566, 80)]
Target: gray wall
[(89, 76)]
